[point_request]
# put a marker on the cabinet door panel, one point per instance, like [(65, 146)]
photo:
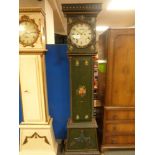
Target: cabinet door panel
[(120, 74), (31, 85), (81, 88)]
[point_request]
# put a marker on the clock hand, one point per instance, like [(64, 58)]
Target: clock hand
[(78, 32), (29, 32)]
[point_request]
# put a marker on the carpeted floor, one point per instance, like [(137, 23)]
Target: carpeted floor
[(122, 152), (126, 152)]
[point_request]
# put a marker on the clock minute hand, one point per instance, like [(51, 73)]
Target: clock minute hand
[(78, 31)]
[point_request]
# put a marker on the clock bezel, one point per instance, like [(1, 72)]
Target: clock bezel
[(92, 31), (26, 18)]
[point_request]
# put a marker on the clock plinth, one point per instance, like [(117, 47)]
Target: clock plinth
[(36, 132), (37, 139), (82, 138), (81, 127)]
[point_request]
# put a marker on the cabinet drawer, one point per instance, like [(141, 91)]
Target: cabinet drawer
[(120, 114), (120, 140), (120, 127)]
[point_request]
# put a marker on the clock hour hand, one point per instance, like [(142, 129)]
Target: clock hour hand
[(33, 32)]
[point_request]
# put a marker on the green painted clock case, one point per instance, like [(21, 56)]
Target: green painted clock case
[(81, 133)]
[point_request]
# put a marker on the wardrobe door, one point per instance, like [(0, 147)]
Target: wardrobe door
[(120, 70)]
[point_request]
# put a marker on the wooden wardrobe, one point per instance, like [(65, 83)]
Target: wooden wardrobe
[(118, 47)]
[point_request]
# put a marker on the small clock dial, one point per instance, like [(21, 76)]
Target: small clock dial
[(28, 32), (81, 35)]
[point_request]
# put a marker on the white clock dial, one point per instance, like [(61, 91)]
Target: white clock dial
[(81, 35), (28, 32)]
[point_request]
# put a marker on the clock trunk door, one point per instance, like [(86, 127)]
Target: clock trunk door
[(81, 88)]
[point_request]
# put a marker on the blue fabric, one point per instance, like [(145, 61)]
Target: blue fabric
[(20, 109), (57, 74)]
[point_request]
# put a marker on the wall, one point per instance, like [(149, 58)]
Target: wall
[(49, 23)]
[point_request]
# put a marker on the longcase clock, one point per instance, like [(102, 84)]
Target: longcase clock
[(81, 26), (36, 132)]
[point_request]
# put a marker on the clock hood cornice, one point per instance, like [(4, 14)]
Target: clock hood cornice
[(34, 9), (84, 8)]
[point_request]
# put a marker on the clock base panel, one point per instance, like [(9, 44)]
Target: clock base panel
[(82, 138), (37, 139)]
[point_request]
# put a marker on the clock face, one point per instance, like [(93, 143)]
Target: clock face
[(28, 32), (81, 35)]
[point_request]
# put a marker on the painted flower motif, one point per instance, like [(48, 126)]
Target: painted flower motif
[(76, 63), (77, 117), (82, 91), (86, 117), (86, 62)]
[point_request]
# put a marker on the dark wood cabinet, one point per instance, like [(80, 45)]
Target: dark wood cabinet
[(118, 46)]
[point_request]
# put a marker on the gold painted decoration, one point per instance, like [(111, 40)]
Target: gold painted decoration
[(93, 20), (41, 32), (77, 117), (86, 117), (28, 31), (92, 47), (82, 139), (77, 63), (86, 62), (82, 17), (70, 20), (81, 91), (35, 135), (70, 48)]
